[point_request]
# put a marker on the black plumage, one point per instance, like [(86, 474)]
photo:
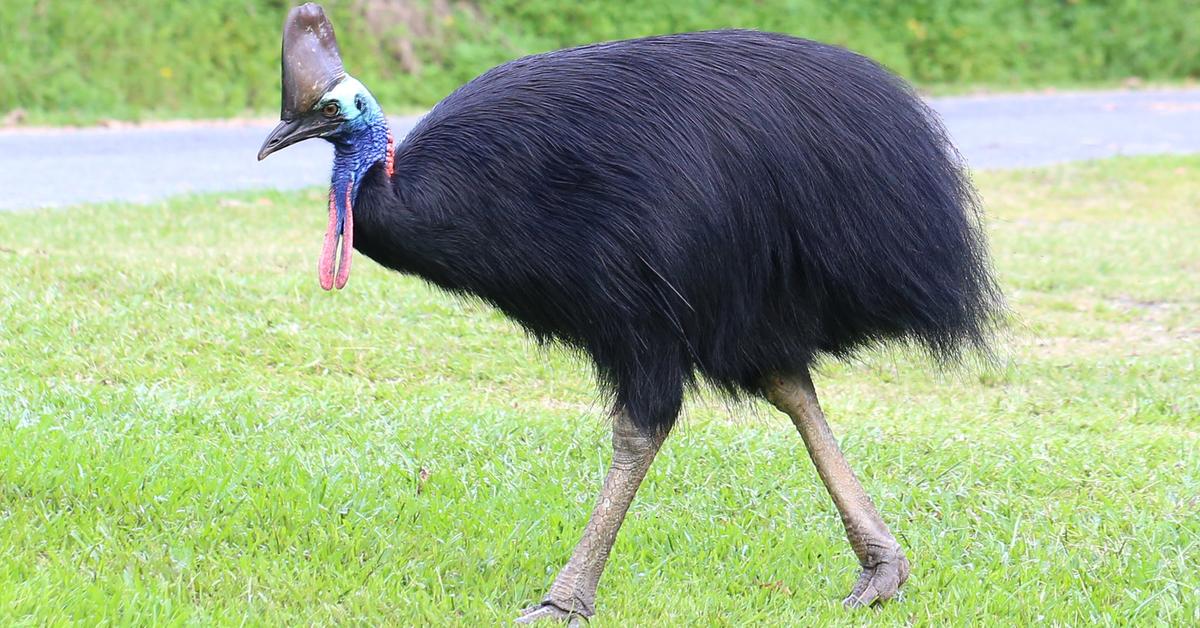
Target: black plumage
[(727, 204)]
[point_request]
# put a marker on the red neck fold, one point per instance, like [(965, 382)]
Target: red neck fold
[(390, 160)]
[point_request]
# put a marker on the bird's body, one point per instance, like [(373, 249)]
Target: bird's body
[(725, 206), (729, 203)]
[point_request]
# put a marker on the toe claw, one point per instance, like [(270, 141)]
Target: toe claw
[(879, 582), (547, 611)]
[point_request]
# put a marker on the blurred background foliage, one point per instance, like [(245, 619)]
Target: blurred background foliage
[(80, 60)]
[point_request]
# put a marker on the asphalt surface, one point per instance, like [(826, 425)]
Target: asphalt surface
[(57, 167)]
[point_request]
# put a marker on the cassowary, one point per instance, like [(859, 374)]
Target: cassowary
[(724, 207)]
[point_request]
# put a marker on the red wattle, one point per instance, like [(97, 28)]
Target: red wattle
[(329, 249), (343, 272)]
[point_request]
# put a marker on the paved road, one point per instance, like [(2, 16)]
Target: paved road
[(61, 167)]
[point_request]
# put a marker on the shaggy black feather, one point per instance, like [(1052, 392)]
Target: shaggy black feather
[(724, 204)]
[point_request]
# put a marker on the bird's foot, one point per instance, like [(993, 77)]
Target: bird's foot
[(880, 580), (549, 611)]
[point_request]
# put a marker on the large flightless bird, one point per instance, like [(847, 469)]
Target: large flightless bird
[(724, 207)]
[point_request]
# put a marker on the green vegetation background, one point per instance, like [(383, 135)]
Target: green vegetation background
[(87, 59)]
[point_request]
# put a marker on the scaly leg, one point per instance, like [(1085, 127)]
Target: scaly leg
[(573, 594), (884, 567)]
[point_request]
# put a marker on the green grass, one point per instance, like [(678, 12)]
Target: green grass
[(192, 432), (87, 60)]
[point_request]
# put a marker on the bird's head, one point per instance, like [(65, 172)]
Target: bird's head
[(321, 100)]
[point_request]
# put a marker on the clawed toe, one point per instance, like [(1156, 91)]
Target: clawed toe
[(879, 582), (548, 612)]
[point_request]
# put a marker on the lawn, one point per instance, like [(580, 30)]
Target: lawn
[(191, 431), (91, 60)]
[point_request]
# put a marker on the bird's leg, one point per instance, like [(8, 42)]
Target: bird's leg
[(884, 567), (572, 597)]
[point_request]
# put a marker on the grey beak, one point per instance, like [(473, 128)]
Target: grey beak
[(288, 132)]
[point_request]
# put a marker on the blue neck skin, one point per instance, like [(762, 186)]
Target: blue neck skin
[(360, 143)]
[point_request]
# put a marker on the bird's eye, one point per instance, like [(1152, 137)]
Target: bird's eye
[(330, 110)]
